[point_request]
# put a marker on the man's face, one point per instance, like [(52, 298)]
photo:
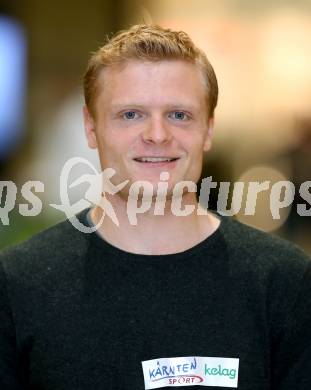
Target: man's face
[(151, 117)]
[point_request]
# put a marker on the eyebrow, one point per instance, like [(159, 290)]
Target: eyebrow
[(175, 106)]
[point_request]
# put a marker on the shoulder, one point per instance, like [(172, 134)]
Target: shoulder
[(263, 259), (52, 249), (268, 267), (251, 245)]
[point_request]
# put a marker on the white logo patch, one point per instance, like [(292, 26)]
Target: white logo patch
[(191, 371)]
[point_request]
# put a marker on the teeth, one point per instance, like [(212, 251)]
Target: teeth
[(155, 159)]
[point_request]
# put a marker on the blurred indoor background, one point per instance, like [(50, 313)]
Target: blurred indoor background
[(261, 52)]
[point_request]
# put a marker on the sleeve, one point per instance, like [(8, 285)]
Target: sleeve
[(9, 377), (291, 357)]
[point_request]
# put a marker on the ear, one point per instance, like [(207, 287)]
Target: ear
[(89, 127), (209, 134)]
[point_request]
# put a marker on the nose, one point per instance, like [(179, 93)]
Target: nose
[(157, 131)]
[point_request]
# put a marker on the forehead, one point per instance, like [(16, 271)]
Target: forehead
[(154, 83)]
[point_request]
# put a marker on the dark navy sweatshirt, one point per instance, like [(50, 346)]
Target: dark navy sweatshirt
[(77, 313)]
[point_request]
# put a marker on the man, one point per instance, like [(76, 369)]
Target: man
[(192, 300)]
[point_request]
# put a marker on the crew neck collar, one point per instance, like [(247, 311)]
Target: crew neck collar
[(212, 241)]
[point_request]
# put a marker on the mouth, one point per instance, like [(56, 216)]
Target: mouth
[(155, 160)]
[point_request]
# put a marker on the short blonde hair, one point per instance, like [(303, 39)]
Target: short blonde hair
[(148, 43)]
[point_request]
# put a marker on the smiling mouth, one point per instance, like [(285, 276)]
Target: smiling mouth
[(155, 159)]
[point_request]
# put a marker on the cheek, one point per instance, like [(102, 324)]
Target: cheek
[(194, 145), (193, 138), (113, 150)]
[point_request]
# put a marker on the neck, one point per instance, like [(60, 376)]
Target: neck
[(150, 233)]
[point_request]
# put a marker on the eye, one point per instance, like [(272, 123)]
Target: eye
[(130, 115), (179, 115)]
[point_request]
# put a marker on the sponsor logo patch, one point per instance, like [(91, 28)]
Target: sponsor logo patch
[(191, 371)]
